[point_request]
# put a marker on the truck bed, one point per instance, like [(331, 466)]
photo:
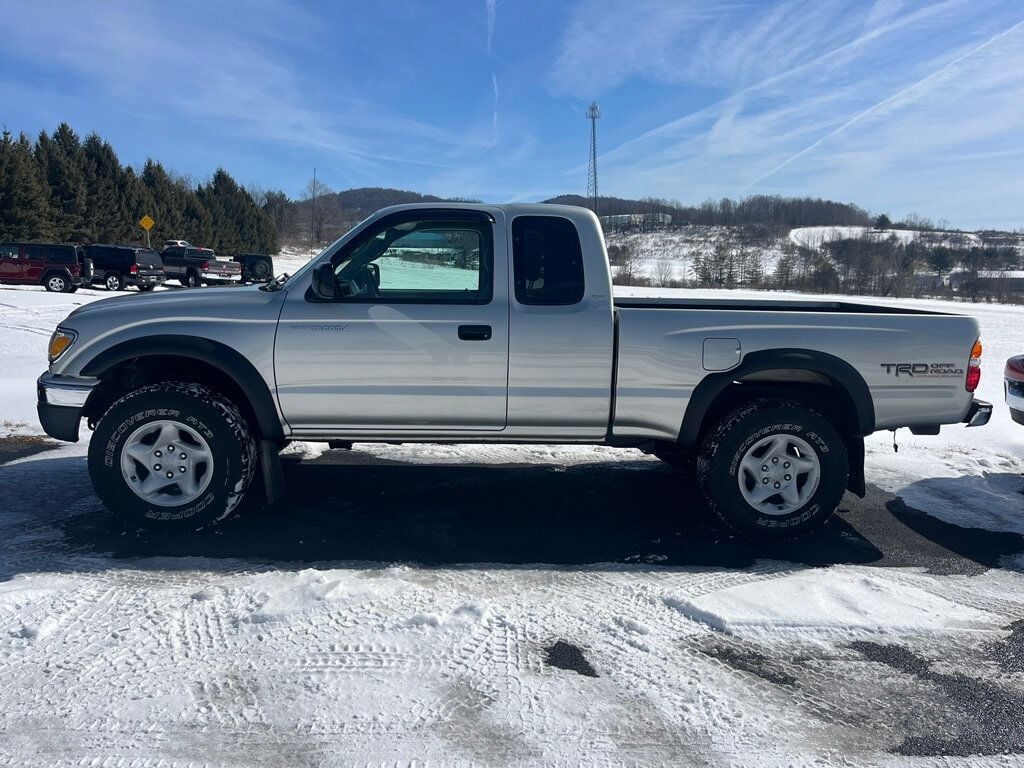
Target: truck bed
[(763, 305)]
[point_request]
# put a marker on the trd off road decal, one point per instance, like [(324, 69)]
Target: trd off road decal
[(921, 370)]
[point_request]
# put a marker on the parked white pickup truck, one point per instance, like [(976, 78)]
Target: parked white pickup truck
[(480, 323)]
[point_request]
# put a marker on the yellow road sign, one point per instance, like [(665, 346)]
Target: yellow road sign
[(146, 222)]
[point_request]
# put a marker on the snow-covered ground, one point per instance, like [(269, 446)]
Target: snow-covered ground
[(115, 654)]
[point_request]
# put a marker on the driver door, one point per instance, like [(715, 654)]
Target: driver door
[(416, 338)]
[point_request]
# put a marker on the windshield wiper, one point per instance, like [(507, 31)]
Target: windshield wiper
[(276, 283)]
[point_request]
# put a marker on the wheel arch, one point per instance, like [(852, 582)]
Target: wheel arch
[(59, 271), (167, 355), (808, 376)]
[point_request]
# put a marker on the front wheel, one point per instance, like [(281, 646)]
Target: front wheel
[(773, 469), (173, 456)]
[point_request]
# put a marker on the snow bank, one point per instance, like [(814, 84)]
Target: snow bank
[(836, 597)]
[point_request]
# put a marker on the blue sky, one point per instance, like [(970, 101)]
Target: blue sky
[(898, 106)]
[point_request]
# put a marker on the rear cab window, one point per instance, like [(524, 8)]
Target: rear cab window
[(547, 261), (148, 259)]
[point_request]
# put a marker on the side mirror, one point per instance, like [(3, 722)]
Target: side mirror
[(323, 283)]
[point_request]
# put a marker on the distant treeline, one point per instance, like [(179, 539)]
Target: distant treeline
[(769, 210), (61, 188), (322, 215)]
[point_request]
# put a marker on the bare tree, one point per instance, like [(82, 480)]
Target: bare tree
[(314, 190), (664, 272), (629, 264)]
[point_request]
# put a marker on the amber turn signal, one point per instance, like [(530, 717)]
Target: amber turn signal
[(59, 343)]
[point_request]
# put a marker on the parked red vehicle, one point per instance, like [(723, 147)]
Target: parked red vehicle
[(58, 268), (1013, 379)]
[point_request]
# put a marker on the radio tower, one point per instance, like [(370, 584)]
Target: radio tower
[(593, 113)]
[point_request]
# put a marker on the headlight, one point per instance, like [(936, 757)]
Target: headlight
[(60, 341)]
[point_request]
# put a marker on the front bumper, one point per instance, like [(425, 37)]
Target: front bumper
[(60, 403), (1015, 399), (978, 414)]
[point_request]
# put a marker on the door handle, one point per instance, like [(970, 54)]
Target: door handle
[(475, 332)]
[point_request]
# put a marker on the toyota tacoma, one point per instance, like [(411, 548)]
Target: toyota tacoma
[(494, 323)]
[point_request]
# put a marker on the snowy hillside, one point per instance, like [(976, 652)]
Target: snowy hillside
[(667, 256), (815, 237)]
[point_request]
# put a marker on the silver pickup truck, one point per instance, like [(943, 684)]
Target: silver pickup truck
[(494, 323)]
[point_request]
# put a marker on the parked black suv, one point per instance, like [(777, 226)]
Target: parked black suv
[(56, 267), (117, 266), (256, 267)]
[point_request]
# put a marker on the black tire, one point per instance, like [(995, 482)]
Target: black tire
[(55, 282), (73, 288), (191, 279), (726, 444), (211, 415), (112, 281), (145, 288)]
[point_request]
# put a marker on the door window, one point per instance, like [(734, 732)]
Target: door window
[(433, 261), (37, 252), (8, 251), (547, 261)]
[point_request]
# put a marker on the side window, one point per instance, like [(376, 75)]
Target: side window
[(547, 261), (427, 261), (8, 251), (37, 252), (62, 254)]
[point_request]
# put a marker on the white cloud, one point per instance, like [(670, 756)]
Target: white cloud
[(230, 72), (872, 103)]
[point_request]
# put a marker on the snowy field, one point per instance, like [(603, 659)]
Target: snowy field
[(505, 605)]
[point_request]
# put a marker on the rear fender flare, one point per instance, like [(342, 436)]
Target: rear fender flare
[(839, 371)]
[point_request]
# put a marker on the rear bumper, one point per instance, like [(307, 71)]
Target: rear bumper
[(978, 414), (60, 403), (145, 279), (216, 277)]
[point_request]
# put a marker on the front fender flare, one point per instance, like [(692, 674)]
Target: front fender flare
[(229, 361)]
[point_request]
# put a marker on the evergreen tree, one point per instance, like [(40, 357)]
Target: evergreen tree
[(24, 205), (61, 161)]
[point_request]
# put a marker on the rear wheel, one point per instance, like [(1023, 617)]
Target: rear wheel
[(773, 469), (146, 288), (191, 279), (173, 456), (56, 283), (112, 281)]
